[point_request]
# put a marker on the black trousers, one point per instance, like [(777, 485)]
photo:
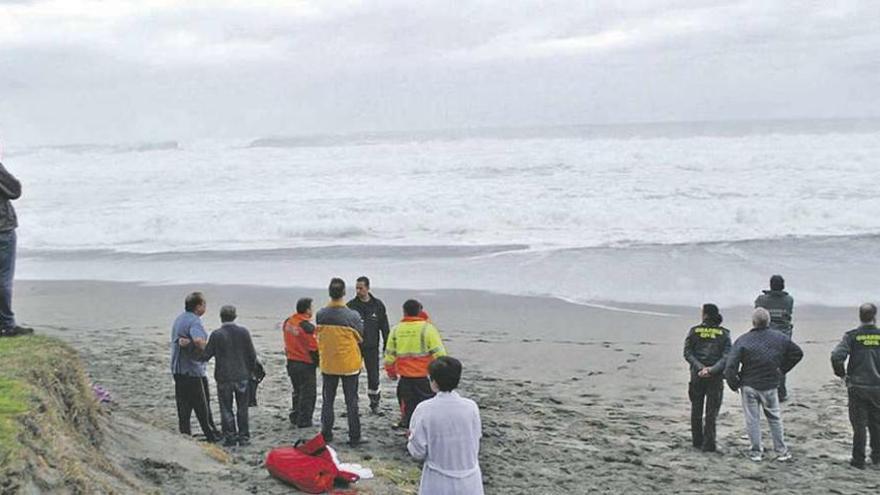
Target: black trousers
[(235, 423), (706, 392), (371, 363), (350, 390), (410, 392), (303, 378), (191, 394), (864, 413), (782, 389)]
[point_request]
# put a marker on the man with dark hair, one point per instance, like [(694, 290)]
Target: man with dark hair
[(862, 374), (375, 318), (236, 359), (190, 383), (10, 190), (445, 434), (301, 348), (340, 332), (705, 349), (763, 355), (781, 307), (412, 345)]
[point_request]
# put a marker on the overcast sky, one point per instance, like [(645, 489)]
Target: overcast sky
[(109, 71)]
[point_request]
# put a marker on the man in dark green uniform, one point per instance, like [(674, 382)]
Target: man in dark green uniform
[(780, 305), (705, 349), (862, 373)]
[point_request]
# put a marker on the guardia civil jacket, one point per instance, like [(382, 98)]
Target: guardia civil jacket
[(707, 346), (862, 347)]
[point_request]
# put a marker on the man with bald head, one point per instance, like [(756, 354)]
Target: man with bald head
[(757, 361), (862, 373), (235, 360)]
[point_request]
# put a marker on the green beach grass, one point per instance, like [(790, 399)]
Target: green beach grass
[(16, 357), (48, 413)]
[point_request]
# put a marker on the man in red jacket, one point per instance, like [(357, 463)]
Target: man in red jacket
[(302, 362)]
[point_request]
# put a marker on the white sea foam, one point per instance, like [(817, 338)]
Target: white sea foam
[(544, 192)]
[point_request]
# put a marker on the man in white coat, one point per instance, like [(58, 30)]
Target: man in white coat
[(445, 433)]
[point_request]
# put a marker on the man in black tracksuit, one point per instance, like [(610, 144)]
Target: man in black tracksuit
[(862, 373), (372, 311), (705, 349), (780, 305)]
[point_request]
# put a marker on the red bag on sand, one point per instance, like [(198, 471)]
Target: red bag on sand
[(309, 467)]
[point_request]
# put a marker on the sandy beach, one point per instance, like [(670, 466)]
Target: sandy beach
[(574, 399)]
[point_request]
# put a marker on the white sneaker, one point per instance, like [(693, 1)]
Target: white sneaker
[(755, 456), (784, 457)]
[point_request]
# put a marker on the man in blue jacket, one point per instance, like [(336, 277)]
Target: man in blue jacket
[(758, 359), (862, 373)]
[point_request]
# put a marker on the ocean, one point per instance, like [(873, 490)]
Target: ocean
[(661, 213)]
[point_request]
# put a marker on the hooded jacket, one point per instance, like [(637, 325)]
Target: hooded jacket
[(780, 305), (413, 344), (862, 346)]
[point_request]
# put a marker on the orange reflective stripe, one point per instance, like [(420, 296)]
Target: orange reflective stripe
[(413, 366)]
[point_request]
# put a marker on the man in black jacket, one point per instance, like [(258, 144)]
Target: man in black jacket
[(236, 359), (705, 349), (10, 190), (862, 373), (764, 355), (780, 305), (372, 311)]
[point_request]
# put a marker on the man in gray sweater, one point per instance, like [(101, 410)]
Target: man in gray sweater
[(236, 359), (10, 189)]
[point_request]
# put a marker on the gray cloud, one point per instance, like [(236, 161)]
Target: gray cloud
[(152, 69)]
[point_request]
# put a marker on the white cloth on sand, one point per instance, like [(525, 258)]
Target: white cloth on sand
[(445, 432), (363, 472)]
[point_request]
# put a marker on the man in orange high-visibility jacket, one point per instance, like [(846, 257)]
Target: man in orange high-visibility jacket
[(301, 348), (413, 344)]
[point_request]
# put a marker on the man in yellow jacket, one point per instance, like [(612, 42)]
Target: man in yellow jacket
[(413, 344), (339, 332)]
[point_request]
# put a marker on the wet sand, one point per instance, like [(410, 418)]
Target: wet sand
[(574, 399)]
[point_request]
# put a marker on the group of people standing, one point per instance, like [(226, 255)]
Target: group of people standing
[(756, 364), (443, 429), (348, 336)]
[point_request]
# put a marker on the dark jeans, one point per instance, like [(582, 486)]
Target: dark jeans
[(350, 391), (226, 391), (708, 392), (864, 413), (371, 363), (410, 392), (305, 392), (191, 393), (7, 273)]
